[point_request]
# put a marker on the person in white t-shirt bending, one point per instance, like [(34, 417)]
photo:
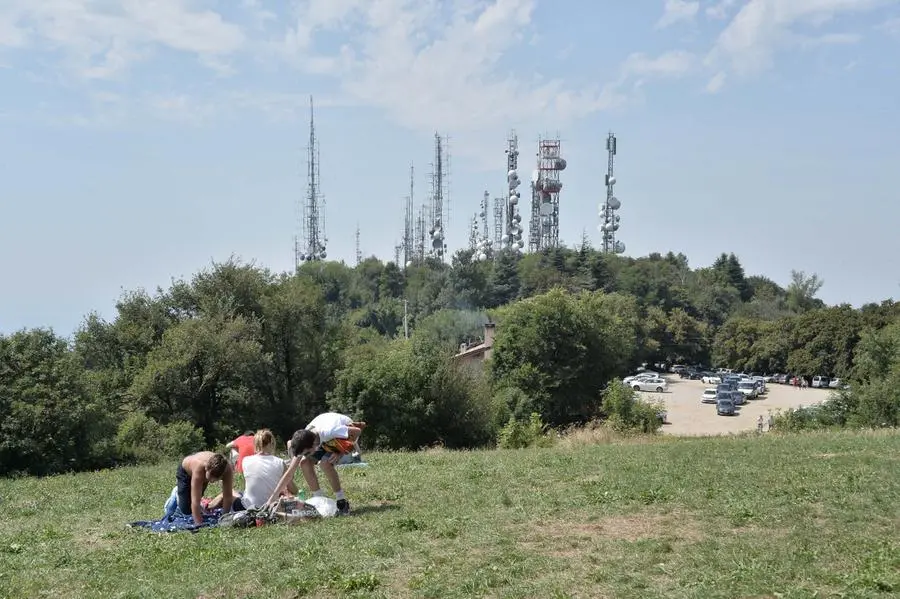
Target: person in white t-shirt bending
[(263, 471), (324, 441)]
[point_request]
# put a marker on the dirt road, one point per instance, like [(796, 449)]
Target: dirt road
[(688, 416)]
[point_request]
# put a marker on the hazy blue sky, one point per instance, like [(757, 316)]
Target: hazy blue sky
[(140, 140)]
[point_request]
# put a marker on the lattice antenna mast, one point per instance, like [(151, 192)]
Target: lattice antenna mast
[(440, 198), (499, 206), (609, 208), (358, 250), (409, 223), (545, 188), (482, 244), (312, 246), (421, 230), (512, 238), (473, 236)]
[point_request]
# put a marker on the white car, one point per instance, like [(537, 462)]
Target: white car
[(658, 385), (644, 376), (711, 379), (709, 395)]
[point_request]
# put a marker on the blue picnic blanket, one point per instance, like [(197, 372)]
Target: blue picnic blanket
[(178, 522), (175, 520)]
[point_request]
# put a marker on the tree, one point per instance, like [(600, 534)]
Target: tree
[(203, 373), (801, 293), (48, 420), (561, 349)]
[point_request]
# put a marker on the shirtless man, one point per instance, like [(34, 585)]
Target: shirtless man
[(194, 473)]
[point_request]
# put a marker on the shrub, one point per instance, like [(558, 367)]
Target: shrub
[(411, 398), (625, 412), (142, 439), (532, 432)]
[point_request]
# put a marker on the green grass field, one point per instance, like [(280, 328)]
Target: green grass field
[(775, 516)]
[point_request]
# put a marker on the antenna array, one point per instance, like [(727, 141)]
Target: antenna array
[(499, 206), (610, 207), (545, 188), (512, 238), (481, 244), (440, 197), (311, 244), (409, 224)]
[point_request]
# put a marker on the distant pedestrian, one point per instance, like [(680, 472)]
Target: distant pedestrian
[(759, 424), (771, 422)]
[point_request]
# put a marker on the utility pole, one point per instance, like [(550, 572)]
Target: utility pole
[(406, 318)]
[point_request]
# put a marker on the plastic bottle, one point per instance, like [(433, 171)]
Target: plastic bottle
[(302, 495)]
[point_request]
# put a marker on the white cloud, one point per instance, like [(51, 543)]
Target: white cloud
[(762, 27), (670, 64), (716, 83), (676, 11), (102, 38), (891, 26), (430, 65), (720, 10)]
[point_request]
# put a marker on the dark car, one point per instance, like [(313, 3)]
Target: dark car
[(725, 407)]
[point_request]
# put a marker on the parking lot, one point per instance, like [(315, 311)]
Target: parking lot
[(688, 416)]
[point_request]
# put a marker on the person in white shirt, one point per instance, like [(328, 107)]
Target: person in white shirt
[(263, 471), (324, 441)]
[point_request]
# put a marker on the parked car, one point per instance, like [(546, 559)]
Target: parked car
[(709, 395), (658, 385), (725, 407), (642, 376), (836, 383), (761, 388), (748, 389), (820, 382), (711, 379), (737, 397)]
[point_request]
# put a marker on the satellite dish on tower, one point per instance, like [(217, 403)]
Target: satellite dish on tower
[(614, 203)]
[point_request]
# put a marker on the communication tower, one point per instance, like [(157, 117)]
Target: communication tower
[(483, 244), (512, 237), (499, 205), (473, 236), (440, 197), (545, 188), (409, 224), (420, 233), (358, 250), (610, 207), (310, 246)]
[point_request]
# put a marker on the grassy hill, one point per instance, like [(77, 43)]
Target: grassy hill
[(776, 516)]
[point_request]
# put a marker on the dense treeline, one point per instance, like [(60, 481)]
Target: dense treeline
[(238, 347)]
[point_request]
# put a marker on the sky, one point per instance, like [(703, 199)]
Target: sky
[(144, 140)]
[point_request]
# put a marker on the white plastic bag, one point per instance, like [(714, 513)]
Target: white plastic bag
[(326, 506)]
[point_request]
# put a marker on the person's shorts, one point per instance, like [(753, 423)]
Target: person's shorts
[(318, 455)]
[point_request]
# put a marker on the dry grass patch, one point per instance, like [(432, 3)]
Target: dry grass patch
[(675, 525), (566, 536)]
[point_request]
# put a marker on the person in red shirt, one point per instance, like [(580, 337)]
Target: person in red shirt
[(243, 445)]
